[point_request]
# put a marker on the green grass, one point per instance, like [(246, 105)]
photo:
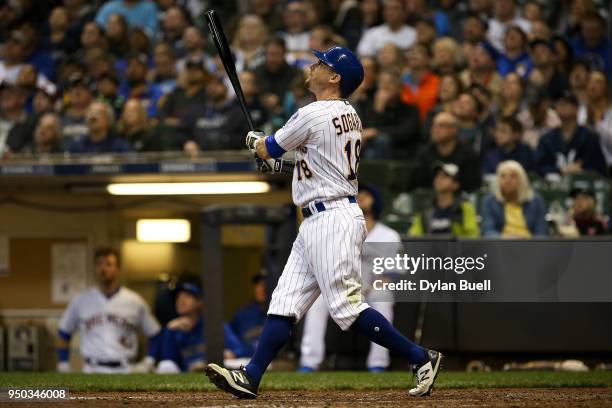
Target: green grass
[(295, 381)]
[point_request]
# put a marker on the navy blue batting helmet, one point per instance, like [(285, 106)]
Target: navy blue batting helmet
[(345, 63)]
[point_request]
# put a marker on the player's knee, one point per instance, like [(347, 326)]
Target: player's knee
[(289, 319), (343, 318)]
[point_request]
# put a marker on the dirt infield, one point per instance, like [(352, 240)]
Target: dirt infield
[(503, 397)]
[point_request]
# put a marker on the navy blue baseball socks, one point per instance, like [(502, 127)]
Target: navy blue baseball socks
[(244, 382), (377, 329), (236, 382), (426, 374), (425, 363), (275, 333)]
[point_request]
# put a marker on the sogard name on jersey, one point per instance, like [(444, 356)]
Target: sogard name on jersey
[(348, 122)]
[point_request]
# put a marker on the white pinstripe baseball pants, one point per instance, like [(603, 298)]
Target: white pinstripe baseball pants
[(325, 259)]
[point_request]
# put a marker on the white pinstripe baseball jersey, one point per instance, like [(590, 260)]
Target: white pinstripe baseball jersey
[(326, 137), (326, 255)]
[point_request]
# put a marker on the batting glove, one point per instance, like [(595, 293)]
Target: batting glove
[(252, 137), (274, 165)]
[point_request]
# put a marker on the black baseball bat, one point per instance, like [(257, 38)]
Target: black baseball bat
[(218, 36)]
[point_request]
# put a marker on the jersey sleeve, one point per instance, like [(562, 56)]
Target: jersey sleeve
[(297, 129), (149, 324), (70, 319)]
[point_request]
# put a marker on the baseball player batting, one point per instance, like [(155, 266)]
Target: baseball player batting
[(325, 258)]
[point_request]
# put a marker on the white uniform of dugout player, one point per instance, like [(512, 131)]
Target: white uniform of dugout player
[(108, 318), (312, 349), (325, 258)]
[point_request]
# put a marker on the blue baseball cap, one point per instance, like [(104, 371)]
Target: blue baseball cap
[(191, 288)]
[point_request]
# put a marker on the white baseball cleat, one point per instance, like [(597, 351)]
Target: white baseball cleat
[(426, 374)]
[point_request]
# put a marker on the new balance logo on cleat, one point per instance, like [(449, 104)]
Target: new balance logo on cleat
[(426, 374), (236, 382), (238, 376)]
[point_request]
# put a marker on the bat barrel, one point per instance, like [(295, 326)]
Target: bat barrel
[(220, 41)]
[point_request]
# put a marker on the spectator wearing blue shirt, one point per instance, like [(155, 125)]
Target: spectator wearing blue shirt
[(100, 120), (508, 146), (515, 57), (592, 44), (135, 84), (248, 321), (183, 346), (164, 72), (139, 13), (570, 148)]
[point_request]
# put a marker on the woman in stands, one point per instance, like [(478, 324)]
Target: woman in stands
[(513, 210)]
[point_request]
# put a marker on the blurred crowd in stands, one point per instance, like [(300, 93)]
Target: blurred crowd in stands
[(472, 83)]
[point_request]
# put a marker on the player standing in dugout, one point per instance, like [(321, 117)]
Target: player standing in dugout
[(325, 258)]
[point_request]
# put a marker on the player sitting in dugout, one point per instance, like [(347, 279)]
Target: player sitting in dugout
[(108, 317), (182, 345), (248, 322), (449, 213)]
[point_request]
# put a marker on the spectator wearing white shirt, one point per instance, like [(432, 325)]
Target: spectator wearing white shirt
[(392, 31), (506, 15)]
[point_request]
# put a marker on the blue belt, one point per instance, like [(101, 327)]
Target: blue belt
[(307, 212)]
